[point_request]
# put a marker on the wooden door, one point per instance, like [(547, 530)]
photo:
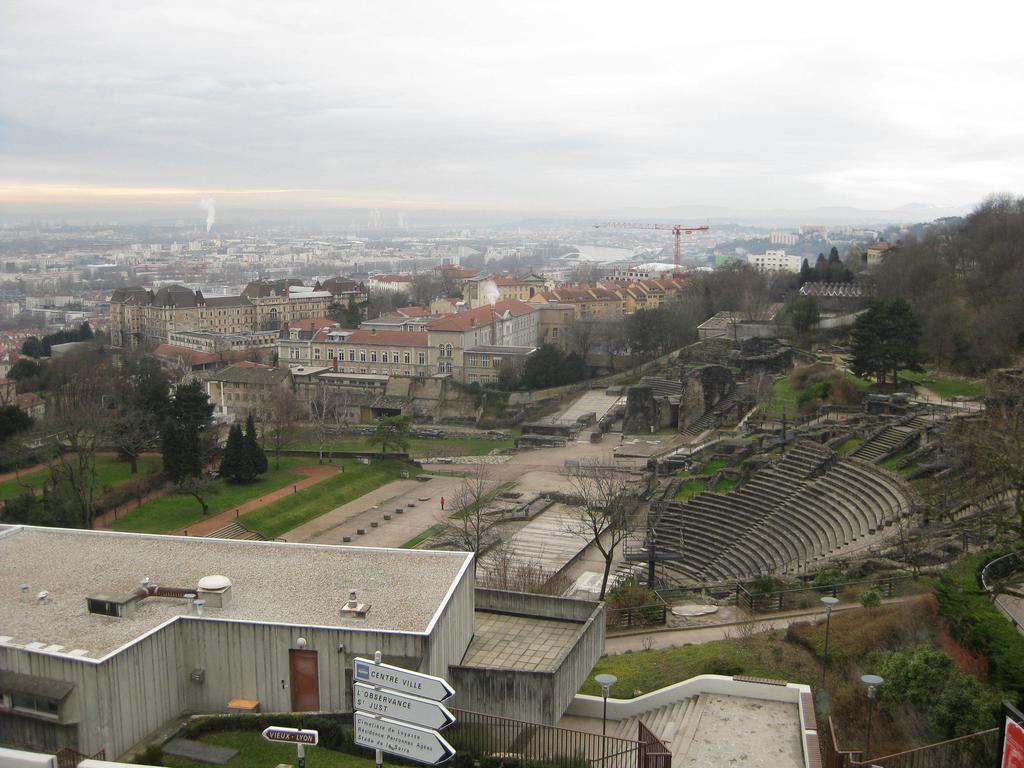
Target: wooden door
[(305, 675)]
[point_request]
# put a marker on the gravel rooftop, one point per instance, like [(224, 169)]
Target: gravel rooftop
[(298, 584)]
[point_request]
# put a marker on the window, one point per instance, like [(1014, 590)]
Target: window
[(373, 356), (448, 351), (407, 358), (316, 353), (421, 358), (31, 703), (554, 333), (351, 355), (362, 356), (330, 354)]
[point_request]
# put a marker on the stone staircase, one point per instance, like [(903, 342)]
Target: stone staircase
[(235, 530), (674, 724), (889, 440), (710, 418)]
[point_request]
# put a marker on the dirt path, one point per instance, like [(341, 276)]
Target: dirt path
[(314, 474)]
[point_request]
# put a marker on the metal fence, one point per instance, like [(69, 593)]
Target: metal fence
[(976, 749), (809, 597), (483, 735), (652, 615)]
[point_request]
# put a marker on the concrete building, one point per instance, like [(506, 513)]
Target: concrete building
[(244, 388), (104, 643), (510, 288), (774, 261), (511, 325), (877, 253)]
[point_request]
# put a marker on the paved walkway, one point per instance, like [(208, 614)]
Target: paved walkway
[(616, 644), (314, 473)]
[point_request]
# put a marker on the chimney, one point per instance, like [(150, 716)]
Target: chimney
[(494, 330)]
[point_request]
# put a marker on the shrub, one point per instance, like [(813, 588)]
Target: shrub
[(871, 598), (151, 755)]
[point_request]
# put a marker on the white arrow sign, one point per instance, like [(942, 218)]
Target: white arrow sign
[(393, 737), (291, 735), (403, 680), (401, 706)]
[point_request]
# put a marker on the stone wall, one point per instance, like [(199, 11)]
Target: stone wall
[(703, 389)]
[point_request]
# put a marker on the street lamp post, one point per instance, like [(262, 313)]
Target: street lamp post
[(872, 682), (606, 682), (830, 603)]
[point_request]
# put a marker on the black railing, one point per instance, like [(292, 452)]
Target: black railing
[(976, 749), (809, 596), (480, 735), (653, 615)]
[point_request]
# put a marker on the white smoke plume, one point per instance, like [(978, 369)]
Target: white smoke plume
[(489, 292), (209, 205)]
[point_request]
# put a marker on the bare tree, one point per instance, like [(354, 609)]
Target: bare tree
[(280, 419), (582, 337), (468, 518), (605, 513), (79, 423), (323, 414)]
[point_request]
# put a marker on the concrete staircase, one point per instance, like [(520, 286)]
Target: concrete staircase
[(675, 724), (888, 441), (235, 530)]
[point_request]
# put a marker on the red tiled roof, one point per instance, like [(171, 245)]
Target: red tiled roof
[(390, 338), (480, 316)]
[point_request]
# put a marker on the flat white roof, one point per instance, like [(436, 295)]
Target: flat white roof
[(273, 583)]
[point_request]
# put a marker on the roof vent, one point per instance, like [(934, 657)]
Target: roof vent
[(215, 591), (43, 597), (353, 608)]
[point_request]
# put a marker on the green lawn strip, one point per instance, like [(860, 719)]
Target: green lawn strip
[(285, 514), (783, 399), (484, 500), (418, 446), (689, 489), (893, 462), (724, 485), (110, 473), (174, 510), (256, 752), (415, 541), (713, 466), (945, 385), (641, 672), (849, 445)]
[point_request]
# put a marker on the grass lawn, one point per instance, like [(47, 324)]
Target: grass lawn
[(783, 399), (418, 446), (893, 462), (284, 514), (849, 445), (689, 489), (724, 485), (415, 541), (174, 511), (641, 672), (947, 386), (110, 473), (256, 752), (713, 466)]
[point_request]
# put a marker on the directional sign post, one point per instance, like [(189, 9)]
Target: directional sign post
[(401, 706), (297, 736), (410, 741), (401, 680)]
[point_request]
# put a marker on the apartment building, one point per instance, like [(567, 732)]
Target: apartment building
[(775, 261), (508, 330)]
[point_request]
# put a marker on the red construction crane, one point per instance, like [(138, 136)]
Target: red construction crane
[(677, 230)]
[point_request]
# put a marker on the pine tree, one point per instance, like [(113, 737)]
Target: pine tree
[(236, 463), (257, 455), (806, 276)]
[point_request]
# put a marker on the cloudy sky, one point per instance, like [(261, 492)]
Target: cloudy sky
[(521, 105)]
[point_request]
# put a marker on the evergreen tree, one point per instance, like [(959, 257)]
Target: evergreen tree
[(821, 269), (257, 455), (886, 338), (85, 332), (236, 463), (806, 276)]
